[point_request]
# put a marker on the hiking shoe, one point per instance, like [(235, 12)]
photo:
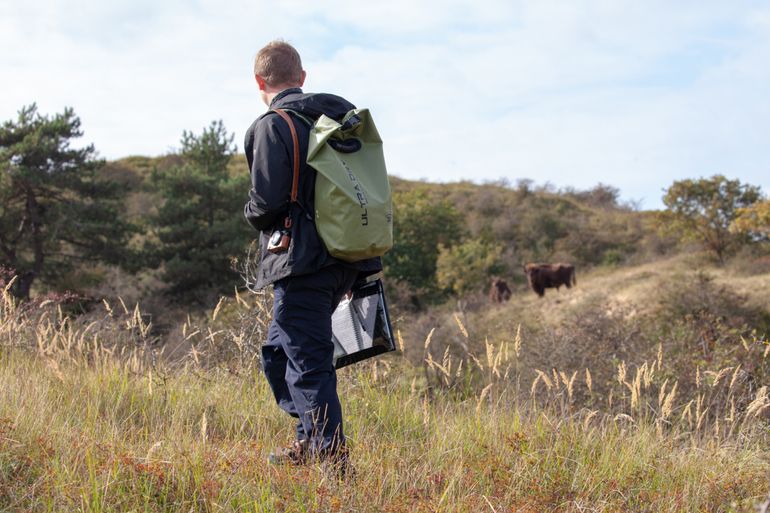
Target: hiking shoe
[(295, 454)]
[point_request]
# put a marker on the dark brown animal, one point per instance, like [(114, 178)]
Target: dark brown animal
[(547, 276), (499, 291)]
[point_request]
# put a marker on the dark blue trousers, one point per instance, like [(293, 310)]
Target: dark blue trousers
[(298, 356)]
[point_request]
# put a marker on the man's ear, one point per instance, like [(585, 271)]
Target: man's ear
[(302, 78), (260, 82)]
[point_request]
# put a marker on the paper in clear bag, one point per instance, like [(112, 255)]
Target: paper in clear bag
[(361, 325)]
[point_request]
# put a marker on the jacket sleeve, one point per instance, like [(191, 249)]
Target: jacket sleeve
[(271, 168)]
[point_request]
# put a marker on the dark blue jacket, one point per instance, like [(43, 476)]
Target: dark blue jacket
[(269, 151)]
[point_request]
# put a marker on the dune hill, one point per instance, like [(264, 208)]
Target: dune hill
[(639, 288)]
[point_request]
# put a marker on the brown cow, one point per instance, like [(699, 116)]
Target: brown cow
[(499, 291), (546, 276)]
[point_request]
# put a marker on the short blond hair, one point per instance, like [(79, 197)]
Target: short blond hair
[(278, 63)]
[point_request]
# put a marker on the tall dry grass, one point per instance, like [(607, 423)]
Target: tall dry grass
[(97, 414)]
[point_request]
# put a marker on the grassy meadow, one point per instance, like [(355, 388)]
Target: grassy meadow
[(587, 400)]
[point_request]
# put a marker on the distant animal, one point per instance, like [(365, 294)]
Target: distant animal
[(499, 292), (547, 276)]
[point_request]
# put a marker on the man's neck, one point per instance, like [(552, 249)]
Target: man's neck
[(270, 93)]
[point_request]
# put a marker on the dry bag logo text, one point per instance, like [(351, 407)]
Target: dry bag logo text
[(360, 194)]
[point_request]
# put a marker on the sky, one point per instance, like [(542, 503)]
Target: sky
[(572, 93)]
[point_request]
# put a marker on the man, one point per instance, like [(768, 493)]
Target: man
[(308, 283)]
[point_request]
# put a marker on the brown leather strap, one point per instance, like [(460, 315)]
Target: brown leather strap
[(295, 141)]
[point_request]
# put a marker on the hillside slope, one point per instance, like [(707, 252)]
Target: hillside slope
[(704, 319), (637, 289)]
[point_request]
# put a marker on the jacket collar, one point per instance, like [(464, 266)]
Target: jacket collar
[(278, 97)]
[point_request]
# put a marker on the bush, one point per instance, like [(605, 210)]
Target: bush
[(467, 267)]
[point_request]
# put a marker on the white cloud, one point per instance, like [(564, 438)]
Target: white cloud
[(626, 93)]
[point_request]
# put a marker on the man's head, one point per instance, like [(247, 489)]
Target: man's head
[(277, 66)]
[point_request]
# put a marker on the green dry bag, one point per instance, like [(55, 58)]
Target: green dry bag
[(354, 214)]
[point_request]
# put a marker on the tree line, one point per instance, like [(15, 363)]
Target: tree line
[(61, 211)]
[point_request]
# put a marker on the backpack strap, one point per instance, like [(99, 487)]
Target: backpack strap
[(295, 142)]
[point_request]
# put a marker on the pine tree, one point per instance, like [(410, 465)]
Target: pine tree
[(55, 212), (199, 225)]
